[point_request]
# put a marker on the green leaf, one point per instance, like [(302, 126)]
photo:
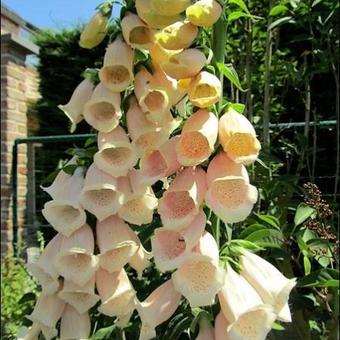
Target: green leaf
[(260, 234), (322, 278), (236, 15), (307, 265), (276, 326), (269, 219), (252, 228), (277, 10), (280, 22), (237, 107), (229, 72), (303, 212), (103, 333), (241, 4), (70, 169)]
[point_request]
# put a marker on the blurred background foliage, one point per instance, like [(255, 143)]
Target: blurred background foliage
[(282, 64)]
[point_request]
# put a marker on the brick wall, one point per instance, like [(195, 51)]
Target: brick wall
[(19, 89)]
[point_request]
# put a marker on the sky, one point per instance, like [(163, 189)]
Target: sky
[(54, 14)]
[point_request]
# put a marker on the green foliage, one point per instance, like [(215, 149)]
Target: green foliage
[(17, 296)]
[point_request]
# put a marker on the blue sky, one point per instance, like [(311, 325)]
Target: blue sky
[(55, 14)]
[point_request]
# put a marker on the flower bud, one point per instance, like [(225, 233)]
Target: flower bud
[(204, 90), (135, 32), (185, 64), (229, 194), (116, 73), (273, 287), (198, 137), (204, 13), (238, 137), (176, 36), (181, 202), (75, 107), (102, 111)]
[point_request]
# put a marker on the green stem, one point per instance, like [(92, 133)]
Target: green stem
[(219, 40)]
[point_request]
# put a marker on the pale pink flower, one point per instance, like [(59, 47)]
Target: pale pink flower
[(116, 293), (75, 260), (229, 194), (171, 248), (238, 137), (115, 156), (82, 298), (157, 308), (74, 325), (75, 107), (117, 71), (115, 242), (181, 202), (141, 260), (273, 287), (135, 32), (103, 111), (99, 195), (198, 137)]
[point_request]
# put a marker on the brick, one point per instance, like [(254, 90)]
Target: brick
[(15, 72), (15, 94), (22, 107)]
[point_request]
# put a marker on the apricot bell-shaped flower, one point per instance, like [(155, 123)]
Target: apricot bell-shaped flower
[(116, 155), (75, 107), (198, 138), (135, 32), (102, 111), (229, 193), (181, 202), (204, 90), (115, 243), (75, 260), (238, 137), (158, 307), (116, 73), (273, 287), (99, 195), (204, 13), (176, 36), (169, 7), (243, 308), (94, 32)]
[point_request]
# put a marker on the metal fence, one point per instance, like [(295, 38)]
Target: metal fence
[(43, 154)]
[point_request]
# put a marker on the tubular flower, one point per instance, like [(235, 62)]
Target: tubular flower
[(135, 32), (141, 260), (206, 330), (160, 55), (64, 212), (46, 314), (75, 260), (74, 325), (204, 13), (94, 32), (185, 64), (229, 194), (199, 280), (102, 111), (146, 135), (138, 206), (158, 307), (75, 107), (169, 7), (171, 248), (243, 308), (238, 137), (44, 269), (99, 195), (181, 202), (116, 73), (116, 293), (152, 98), (115, 243), (157, 164), (273, 287), (82, 298), (176, 36), (204, 90), (29, 333), (152, 18), (116, 155), (198, 138)]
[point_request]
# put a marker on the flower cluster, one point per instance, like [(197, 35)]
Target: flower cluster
[(80, 266)]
